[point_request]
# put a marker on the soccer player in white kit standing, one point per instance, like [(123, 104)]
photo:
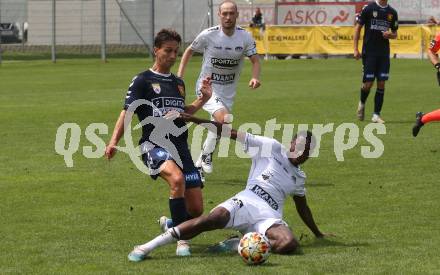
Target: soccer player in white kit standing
[(223, 47), (274, 176)]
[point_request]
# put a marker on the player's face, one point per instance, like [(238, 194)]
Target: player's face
[(297, 153), (166, 55), (228, 15)]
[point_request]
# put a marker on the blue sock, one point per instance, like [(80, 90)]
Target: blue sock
[(378, 101), (171, 224), (178, 211)]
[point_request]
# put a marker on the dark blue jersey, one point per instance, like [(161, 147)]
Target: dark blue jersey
[(376, 20), (160, 94)]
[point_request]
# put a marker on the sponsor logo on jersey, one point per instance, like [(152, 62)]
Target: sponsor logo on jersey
[(156, 87), (218, 47), (228, 48), (224, 63), (265, 196), (380, 25), (181, 90), (166, 104), (238, 49), (223, 78)]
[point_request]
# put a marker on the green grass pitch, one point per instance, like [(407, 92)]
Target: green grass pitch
[(86, 219)]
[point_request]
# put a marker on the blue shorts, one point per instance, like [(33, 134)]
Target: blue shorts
[(154, 158), (375, 67)]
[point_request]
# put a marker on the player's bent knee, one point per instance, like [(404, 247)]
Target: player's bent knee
[(286, 246), (367, 86), (177, 185)]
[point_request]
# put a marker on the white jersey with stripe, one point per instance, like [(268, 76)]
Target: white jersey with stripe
[(272, 176), (223, 58)]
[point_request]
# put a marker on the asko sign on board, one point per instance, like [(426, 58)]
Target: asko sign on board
[(322, 13)]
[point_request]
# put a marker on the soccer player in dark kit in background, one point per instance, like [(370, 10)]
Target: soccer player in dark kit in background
[(381, 24)]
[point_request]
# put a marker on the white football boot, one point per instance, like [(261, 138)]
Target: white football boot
[(183, 249), (377, 119)]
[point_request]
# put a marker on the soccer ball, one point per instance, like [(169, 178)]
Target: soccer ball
[(254, 248)]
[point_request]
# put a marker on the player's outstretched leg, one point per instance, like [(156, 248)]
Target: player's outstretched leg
[(418, 124), (422, 119), (217, 219)]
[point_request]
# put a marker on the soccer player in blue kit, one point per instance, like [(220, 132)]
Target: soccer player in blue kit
[(381, 24), (165, 92)]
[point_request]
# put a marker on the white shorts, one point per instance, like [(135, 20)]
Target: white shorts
[(216, 103), (249, 213)]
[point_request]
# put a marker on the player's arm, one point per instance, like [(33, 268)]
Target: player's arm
[(137, 85), (184, 61), (306, 215), (433, 56), (357, 33), (205, 95), (110, 149), (392, 33), (256, 70), (220, 129)]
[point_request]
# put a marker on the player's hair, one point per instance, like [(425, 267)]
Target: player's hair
[(166, 35), (227, 1), (310, 140)]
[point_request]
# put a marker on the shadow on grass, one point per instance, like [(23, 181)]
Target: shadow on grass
[(317, 243), (401, 121), (312, 184)]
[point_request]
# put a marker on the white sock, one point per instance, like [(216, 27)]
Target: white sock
[(170, 236), (210, 143)]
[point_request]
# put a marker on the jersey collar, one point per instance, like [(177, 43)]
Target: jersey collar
[(161, 74), (377, 3)]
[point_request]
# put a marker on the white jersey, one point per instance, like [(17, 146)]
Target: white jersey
[(272, 176), (223, 58)]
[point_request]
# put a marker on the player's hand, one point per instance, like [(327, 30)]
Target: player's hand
[(388, 35), (254, 83), (172, 115), (205, 89), (432, 20), (110, 151), (356, 54)]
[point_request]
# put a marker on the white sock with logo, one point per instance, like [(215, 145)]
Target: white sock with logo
[(170, 236), (210, 143)]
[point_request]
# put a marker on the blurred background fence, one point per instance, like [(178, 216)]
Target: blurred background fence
[(85, 28)]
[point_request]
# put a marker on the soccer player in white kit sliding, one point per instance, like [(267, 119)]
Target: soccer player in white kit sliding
[(275, 175), (223, 48)]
